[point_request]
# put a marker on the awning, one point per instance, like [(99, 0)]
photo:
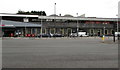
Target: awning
[(6, 23)]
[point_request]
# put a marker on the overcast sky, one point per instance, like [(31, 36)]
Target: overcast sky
[(92, 8)]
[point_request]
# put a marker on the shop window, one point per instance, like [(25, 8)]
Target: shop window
[(38, 31), (29, 30), (33, 31)]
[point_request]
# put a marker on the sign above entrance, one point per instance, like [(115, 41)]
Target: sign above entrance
[(6, 25), (25, 20)]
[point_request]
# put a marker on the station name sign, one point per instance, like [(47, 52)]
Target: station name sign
[(6, 25)]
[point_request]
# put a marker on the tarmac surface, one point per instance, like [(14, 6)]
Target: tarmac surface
[(59, 53)]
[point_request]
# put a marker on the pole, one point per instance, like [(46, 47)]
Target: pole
[(104, 30), (25, 30), (114, 36), (77, 27), (103, 38), (1, 27), (55, 17), (25, 20), (41, 27), (117, 28), (114, 32), (1, 43), (55, 9)]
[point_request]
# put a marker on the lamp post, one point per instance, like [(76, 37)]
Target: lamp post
[(103, 38), (41, 27), (55, 9), (55, 17), (77, 25), (25, 30), (117, 27), (104, 31), (114, 32), (25, 20), (1, 34), (41, 31)]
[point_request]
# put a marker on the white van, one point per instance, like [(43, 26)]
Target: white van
[(80, 34), (116, 33), (83, 34)]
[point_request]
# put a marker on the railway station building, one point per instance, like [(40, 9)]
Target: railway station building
[(65, 25)]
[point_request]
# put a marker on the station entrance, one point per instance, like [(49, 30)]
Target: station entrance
[(8, 32)]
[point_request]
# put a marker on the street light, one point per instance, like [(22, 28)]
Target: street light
[(103, 38), (41, 25), (55, 9), (77, 25), (41, 28), (117, 27), (104, 31), (26, 21), (1, 33), (55, 17)]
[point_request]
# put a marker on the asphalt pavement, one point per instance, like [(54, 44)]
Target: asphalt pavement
[(59, 53)]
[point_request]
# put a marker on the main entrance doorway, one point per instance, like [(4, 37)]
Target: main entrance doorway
[(9, 32)]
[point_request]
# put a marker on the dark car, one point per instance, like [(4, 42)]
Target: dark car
[(43, 35)]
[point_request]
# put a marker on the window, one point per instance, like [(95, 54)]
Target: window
[(38, 31), (33, 31), (106, 31), (92, 31), (112, 32), (29, 31)]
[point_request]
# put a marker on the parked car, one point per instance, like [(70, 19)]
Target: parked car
[(117, 33), (84, 36), (30, 35), (80, 34), (58, 35), (43, 35), (73, 35)]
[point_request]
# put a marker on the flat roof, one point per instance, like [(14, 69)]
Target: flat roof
[(17, 15), (62, 17)]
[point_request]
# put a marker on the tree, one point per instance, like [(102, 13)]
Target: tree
[(41, 13)]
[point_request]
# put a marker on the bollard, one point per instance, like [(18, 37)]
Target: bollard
[(103, 38), (114, 38), (118, 37)]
